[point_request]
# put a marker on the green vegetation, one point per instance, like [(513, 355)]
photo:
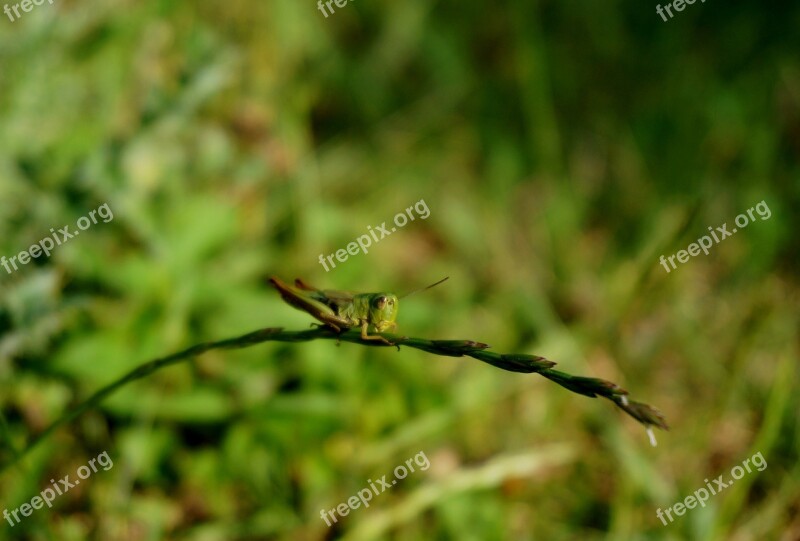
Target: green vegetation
[(561, 149)]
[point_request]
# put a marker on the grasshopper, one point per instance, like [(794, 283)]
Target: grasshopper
[(341, 310)]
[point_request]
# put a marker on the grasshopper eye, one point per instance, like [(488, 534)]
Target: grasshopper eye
[(380, 302)]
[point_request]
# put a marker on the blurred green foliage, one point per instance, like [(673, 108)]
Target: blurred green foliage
[(561, 147)]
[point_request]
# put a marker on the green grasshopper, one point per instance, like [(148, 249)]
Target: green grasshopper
[(341, 310)]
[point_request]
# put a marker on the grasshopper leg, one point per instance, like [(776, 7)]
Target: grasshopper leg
[(365, 336), (394, 326), (318, 310)]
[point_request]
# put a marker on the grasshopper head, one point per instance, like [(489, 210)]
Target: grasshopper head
[(383, 311)]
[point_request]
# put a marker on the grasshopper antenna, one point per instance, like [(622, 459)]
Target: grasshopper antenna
[(424, 288)]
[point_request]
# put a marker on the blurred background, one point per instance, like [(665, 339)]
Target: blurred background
[(561, 148)]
